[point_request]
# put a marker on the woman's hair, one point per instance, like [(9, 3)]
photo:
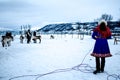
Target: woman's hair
[(102, 26)]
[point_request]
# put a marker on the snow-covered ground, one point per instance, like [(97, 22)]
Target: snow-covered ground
[(62, 58)]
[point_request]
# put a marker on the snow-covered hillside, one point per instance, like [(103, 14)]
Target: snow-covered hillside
[(64, 58)]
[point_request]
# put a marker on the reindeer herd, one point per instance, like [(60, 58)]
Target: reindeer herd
[(8, 38)]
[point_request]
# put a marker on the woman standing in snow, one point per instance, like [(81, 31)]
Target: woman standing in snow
[(101, 49)]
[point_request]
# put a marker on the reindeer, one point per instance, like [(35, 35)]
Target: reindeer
[(6, 40), (35, 39)]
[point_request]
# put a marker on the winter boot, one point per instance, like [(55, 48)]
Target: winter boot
[(96, 71)]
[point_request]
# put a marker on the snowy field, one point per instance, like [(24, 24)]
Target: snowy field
[(62, 58)]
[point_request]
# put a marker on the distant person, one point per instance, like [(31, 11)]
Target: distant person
[(28, 35), (101, 48)]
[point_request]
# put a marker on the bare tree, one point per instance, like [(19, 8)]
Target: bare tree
[(105, 16)]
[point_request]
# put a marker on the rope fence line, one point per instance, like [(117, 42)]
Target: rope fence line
[(85, 68)]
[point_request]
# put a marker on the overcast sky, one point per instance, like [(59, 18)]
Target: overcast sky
[(14, 13)]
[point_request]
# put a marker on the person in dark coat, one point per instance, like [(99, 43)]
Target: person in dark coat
[(28, 34), (101, 48)]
